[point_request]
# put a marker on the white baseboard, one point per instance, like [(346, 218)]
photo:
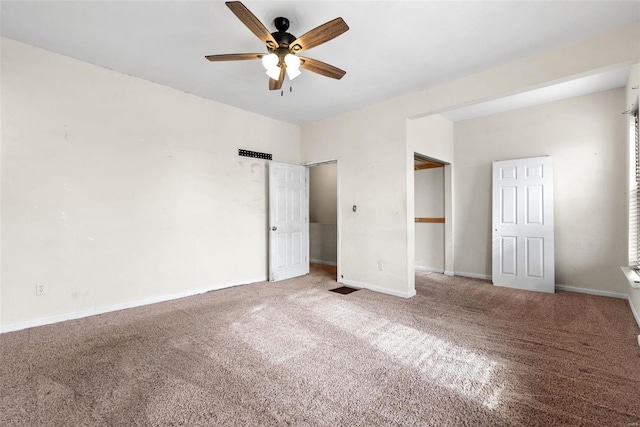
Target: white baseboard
[(116, 307), (636, 315), (378, 289), (319, 261), (454, 273), (591, 292), (473, 275), (431, 269)]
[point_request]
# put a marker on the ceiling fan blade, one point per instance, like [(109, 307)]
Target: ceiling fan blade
[(235, 57), (277, 84), (252, 23), (322, 68), (319, 35)]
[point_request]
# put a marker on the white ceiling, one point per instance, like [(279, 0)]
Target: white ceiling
[(392, 47)]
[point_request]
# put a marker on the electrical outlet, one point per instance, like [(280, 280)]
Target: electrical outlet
[(41, 289)]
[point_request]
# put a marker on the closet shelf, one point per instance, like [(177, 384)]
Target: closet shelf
[(429, 219)]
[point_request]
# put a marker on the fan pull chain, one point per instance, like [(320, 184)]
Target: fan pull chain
[(282, 90)]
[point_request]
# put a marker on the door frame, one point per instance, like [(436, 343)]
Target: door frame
[(449, 268), (338, 213)]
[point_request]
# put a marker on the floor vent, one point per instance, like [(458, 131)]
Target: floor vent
[(344, 290)]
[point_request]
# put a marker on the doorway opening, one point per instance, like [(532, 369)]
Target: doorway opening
[(324, 247), (432, 211)]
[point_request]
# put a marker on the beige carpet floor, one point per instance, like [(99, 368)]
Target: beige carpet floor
[(461, 352)]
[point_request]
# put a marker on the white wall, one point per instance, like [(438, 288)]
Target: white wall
[(323, 198), (374, 152), (369, 156), (586, 138), (116, 189), (323, 243), (431, 136), (429, 203)]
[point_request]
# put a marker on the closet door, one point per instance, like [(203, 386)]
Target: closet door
[(522, 236)]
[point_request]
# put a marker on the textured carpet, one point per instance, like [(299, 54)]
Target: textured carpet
[(461, 352)]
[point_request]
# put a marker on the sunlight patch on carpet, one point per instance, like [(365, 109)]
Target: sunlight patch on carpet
[(448, 365)]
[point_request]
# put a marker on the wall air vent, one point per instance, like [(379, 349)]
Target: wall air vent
[(248, 153)]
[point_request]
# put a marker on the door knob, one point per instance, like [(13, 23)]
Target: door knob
[(274, 228)]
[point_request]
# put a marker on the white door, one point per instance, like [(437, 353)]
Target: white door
[(288, 221), (523, 255)]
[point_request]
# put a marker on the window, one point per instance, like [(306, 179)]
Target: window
[(637, 193)]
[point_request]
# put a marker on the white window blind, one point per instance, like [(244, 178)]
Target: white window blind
[(637, 218)]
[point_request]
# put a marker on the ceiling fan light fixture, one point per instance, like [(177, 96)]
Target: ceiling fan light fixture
[(274, 72), (292, 73), (292, 61), (270, 61), (293, 66)]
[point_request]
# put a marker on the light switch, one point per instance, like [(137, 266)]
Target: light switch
[(354, 208)]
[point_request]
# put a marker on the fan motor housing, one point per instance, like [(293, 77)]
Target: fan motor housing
[(281, 36), (283, 39), (281, 23)]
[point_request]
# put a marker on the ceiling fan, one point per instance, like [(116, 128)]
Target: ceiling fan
[(283, 47)]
